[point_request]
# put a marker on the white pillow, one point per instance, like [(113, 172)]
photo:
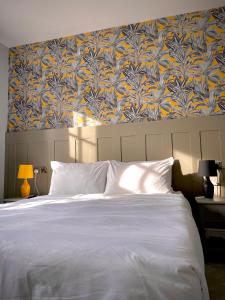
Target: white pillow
[(78, 178), (139, 177)]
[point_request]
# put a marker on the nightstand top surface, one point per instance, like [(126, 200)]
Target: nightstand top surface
[(215, 200), (8, 200)]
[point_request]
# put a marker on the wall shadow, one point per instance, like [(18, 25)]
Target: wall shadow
[(190, 184)]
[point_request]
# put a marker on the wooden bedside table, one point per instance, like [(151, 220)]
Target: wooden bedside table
[(212, 222)]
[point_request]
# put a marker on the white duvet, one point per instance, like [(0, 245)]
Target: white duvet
[(97, 247)]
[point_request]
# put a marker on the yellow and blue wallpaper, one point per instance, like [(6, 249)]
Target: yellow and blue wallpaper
[(162, 69)]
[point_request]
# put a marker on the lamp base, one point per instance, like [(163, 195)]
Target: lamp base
[(25, 189), (208, 188)]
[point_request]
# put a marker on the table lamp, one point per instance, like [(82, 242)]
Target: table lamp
[(206, 169), (25, 172)]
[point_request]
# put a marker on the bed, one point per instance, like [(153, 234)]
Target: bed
[(97, 246)]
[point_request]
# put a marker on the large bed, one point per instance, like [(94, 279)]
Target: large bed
[(96, 246)]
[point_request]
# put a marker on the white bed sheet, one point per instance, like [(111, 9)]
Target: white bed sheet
[(96, 247)]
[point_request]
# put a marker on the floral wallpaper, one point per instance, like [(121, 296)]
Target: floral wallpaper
[(162, 69)]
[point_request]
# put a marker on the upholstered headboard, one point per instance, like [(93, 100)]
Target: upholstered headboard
[(187, 140)]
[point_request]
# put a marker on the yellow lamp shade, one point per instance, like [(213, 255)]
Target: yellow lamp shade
[(25, 171)]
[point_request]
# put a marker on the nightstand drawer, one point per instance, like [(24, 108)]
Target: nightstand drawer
[(212, 227), (215, 244), (212, 214)]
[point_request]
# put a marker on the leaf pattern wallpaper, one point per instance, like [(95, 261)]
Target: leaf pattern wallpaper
[(167, 68)]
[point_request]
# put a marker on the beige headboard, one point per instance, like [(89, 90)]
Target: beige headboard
[(187, 140)]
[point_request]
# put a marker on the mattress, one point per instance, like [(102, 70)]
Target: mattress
[(97, 247)]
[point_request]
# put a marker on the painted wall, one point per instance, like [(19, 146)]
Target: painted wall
[(167, 68), (3, 111)]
